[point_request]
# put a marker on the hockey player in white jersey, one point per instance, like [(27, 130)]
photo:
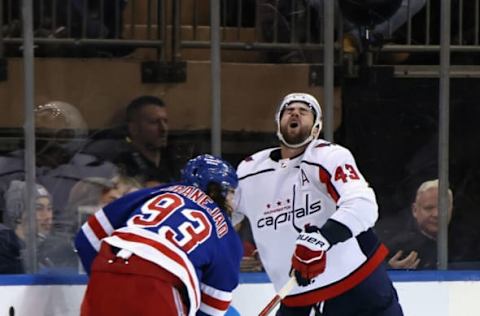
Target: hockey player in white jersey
[(312, 214)]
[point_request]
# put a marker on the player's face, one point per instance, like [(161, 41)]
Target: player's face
[(150, 126), (425, 211), (230, 201), (296, 122)]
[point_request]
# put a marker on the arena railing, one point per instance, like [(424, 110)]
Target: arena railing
[(282, 31)]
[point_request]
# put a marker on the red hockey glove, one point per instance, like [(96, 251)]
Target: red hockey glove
[(309, 258)]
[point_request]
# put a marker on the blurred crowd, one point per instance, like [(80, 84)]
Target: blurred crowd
[(78, 173), (75, 177)]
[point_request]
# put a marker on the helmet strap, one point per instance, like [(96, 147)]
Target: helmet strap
[(313, 135)]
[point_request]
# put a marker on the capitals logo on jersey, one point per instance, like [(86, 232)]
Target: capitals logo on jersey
[(289, 213)]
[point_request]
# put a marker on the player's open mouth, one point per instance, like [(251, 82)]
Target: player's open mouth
[(293, 124)]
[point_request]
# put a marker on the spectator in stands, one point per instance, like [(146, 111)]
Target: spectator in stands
[(86, 197), (60, 132), (417, 247), (52, 251), (146, 157), (90, 194), (124, 185), (10, 252)]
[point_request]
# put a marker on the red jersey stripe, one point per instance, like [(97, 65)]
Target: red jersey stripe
[(214, 302), (97, 227), (325, 178)]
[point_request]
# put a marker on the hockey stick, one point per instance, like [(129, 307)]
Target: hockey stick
[(280, 295), (293, 212)]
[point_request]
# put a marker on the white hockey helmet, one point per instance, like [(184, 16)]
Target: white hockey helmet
[(312, 103)]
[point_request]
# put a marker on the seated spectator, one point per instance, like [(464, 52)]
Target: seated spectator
[(10, 251), (417, 247), (90, 194), (60, 132), (125, 185), (53, 251), (142, 153), (141, 147), (86, 197)]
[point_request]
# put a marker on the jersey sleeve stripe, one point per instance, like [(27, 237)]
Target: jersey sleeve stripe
[(215, 298), (99, 225), (214, 303), (166, 256), (91, 236), (325, 177), (104, 221), (216, 293)]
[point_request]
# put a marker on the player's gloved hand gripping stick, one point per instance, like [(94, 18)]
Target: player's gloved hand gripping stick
[(308, 260), (310, 256)]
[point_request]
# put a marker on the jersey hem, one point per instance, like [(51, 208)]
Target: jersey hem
[(338, 288)]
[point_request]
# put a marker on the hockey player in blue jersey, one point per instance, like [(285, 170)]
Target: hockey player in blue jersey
[(169, 250)]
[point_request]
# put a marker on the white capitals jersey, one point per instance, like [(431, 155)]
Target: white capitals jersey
[(320, 187)]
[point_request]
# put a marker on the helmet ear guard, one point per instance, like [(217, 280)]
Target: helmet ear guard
[(204, 170), (317, 127), (313, 104)]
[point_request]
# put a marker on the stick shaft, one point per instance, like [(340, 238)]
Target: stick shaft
[(277, 298)]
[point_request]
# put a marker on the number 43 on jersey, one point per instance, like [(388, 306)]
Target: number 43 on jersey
[(346, 173)]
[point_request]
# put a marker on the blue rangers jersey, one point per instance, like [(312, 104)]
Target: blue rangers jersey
[(321, 187), (179, 228)]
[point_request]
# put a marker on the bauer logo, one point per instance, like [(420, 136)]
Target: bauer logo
[(285, 215)]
